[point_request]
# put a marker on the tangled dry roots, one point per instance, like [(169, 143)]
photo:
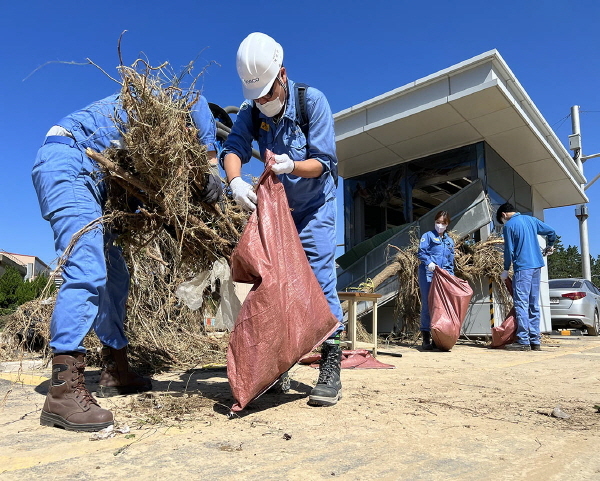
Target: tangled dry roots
[(160, 174), (172, 235), (408, 300), (167, 233)]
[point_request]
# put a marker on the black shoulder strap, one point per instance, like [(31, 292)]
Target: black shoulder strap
[(255, 121), (301, 119), (301, 112), (301, 109)]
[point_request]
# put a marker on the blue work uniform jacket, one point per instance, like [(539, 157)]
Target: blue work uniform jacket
[(521, 246), (99, 125), (312, 201), (438, 249), (286, 137)]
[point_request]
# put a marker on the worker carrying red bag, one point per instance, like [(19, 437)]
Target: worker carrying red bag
[(294, 121), (436, 248), (285, 315), (444, 298)]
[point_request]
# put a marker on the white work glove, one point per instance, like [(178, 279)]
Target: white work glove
[(243, 194), (283, 165), (548, 251), (504, 275), (431, 267)]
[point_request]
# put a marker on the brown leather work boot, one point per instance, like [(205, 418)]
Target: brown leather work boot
[(69, 405), (116, 378)]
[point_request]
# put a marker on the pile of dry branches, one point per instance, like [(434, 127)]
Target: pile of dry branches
[(161, 173), (167, 233), (172, 235)]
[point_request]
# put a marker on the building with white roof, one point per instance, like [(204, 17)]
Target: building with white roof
[(457, 137)]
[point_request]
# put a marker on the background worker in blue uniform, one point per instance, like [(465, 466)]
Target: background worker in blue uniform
[(306, 166), (523, 251), (95, 285), (436, 248)]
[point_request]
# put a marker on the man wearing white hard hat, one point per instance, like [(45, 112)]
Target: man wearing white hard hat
[(295, 122)]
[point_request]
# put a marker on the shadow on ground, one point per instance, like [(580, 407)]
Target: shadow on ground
[(210, 384)]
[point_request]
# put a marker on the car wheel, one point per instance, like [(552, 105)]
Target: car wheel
[(595, 330)]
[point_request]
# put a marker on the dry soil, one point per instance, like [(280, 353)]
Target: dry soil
[(472, 413)]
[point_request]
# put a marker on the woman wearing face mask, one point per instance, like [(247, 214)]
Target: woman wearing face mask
[(436, 248)]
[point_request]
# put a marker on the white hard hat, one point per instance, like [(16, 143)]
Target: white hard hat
[(259, 59)]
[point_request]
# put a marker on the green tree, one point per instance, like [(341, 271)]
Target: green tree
[(28, 291), (564, 263), (14, 291), (10, 282), (595, 268)]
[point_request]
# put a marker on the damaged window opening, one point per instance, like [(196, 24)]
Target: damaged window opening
[(386, 199)]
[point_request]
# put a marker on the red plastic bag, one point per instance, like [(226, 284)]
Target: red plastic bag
[(449, 299), (285, 315), (506, 333)]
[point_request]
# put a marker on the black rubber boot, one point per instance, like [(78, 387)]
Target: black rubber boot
[(427, 345), (328, 390)]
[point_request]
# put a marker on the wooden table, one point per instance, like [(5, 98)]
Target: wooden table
[(353, 298)]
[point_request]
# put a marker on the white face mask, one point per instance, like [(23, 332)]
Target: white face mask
[(440, 228), (272, 108)]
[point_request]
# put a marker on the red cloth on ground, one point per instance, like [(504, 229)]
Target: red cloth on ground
[(285, 315), (449, 299), (355, 359)]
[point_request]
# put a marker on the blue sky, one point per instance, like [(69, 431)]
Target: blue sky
[(350, 50)]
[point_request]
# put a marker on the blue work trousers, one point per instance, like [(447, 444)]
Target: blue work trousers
[(95, 277), (317, 235), (526, 298), (424, 286)]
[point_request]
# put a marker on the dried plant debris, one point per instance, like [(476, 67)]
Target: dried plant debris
[(165, 409), (166, 233), (155, 181)]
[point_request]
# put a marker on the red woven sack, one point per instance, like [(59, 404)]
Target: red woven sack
[(351, 359), (449, 299), (286, 314), (506, 333)]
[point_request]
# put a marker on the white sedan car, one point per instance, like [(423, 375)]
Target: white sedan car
[(575, 303)]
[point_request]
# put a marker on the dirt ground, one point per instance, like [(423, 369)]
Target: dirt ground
[(472, 413)]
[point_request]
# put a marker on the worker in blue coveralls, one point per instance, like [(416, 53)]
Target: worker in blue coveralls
[(436, 248), (523, 251), (95, 285), (306, 165)]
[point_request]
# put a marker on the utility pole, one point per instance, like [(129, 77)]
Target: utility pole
[(581, 211)]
